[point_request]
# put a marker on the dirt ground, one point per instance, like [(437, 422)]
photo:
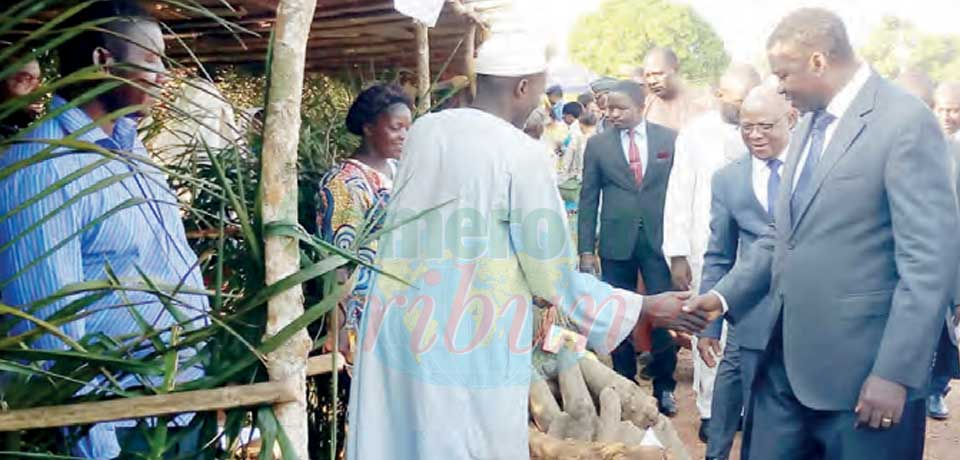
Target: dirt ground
[(943, 438)]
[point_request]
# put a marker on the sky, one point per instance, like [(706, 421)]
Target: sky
[(745, 24)]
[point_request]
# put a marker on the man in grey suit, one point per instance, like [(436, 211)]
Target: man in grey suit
[(857, 266), (741, 210), (630, 165)]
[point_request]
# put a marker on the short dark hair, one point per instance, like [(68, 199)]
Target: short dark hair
[(632, 89), (586, 99), (816, 29), (74, 54), (555, 90), (573, 108), (373, 101)]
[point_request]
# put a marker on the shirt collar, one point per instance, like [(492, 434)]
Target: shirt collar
[(639, 130), (763, 163), (75, 119), (844, 99)]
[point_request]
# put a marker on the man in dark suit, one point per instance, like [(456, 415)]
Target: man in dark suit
[(741, 210), (630, 165), (857, 266)]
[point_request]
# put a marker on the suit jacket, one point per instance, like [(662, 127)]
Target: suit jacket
[(861, 276), (737, 221), (627, 209)]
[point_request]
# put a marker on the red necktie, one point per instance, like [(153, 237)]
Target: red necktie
[(636, 164)]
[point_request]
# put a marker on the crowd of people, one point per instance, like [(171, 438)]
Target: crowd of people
[(794, 231)]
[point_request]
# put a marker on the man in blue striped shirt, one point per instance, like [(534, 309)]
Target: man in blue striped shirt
[(114, 215)]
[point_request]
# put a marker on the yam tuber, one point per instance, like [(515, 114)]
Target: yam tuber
[(544, 447), (612, 429), (543, 406), (638, 407), (668, 437), (578, 403), (558, 427)]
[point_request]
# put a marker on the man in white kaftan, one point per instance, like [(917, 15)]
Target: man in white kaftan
[(444, 362), (708, 143)]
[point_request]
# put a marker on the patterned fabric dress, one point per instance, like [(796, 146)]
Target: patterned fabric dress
[(351, 194)]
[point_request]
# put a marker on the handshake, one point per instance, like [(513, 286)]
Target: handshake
[(681, 311)]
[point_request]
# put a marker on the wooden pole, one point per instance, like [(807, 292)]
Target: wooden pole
[(469, 55), (282, 256), (151, 406), (423, 67)]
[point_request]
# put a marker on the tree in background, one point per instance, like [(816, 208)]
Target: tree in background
[(620, 33), (897, 45)]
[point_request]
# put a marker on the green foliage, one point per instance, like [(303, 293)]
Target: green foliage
[(897, 45), (622, 31), (219, 190)]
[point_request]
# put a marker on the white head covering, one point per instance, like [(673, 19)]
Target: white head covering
[(511, 54)]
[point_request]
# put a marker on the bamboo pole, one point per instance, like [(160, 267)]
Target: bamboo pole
[(324, 364), (151, 406), (281, 138), (469, 57), (423, 67)]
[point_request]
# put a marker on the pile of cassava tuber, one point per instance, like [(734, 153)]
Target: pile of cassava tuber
[(585, 410)]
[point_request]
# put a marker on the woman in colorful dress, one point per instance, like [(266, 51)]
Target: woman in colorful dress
[(355, 191)]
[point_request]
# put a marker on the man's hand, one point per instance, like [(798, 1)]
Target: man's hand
[(680, 273), (666, 311), (710, 350), (588, 264), (881, 403), (708, 304)]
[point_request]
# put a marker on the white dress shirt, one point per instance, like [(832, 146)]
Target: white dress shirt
[(761, 177), (640, 137), (838, 108)]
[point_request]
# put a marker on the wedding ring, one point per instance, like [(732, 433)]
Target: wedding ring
[(886, 421)]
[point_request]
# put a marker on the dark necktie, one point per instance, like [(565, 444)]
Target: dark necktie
[(821, 121), (636, 163), (773, 185)]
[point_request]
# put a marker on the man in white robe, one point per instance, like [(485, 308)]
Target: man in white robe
[(444, 361), (706, 144)]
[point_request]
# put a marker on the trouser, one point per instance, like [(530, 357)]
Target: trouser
[(784, 429), (946, 365), (656, 277), (731, 392)]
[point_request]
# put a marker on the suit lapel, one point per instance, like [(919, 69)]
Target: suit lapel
[(797, 143), (848, 131), (619, 167)]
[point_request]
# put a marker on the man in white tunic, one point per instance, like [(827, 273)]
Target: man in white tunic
[(444, 362), (705, 145)]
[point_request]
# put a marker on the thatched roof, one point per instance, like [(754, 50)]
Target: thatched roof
[(346, 33)]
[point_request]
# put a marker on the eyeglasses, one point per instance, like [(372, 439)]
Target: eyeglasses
[(764, 128)]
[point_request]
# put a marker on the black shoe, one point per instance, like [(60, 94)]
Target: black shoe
[(667, 404), (704, 426)]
